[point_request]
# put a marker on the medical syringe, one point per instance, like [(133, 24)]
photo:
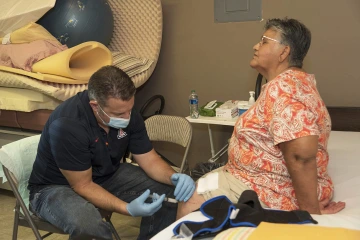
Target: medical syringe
[(166, 199)]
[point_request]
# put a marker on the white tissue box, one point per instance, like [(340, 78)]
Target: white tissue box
[(227, 113)]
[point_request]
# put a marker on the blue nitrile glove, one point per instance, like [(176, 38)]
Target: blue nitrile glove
[(139, 208), (185, 186)]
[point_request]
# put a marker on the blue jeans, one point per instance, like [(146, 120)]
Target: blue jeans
[(65, 209)]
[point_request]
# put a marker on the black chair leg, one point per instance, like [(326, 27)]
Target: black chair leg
[(113, 230)]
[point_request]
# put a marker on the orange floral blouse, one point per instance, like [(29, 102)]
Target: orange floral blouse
[(288, 107)]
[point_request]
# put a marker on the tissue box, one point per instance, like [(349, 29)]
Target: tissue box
[(227, 113)]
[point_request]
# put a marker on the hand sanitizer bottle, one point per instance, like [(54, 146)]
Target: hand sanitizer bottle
[(252, 98)]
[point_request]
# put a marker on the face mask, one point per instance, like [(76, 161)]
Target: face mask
[(115, 122)]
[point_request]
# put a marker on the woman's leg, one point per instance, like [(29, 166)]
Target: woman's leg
[(228, 185)]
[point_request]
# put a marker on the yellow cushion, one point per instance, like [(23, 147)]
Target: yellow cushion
[(238, 233), (29, 33), (274, 231), (25, 100)]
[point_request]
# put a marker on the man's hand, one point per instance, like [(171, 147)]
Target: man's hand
[(138, 207), (330, 207), (185, 186)]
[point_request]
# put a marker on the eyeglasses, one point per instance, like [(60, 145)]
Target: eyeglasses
[(269, 38)]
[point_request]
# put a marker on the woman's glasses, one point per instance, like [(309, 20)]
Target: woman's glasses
[(269, 38)]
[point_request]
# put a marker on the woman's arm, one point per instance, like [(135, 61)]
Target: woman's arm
[(300, 158)]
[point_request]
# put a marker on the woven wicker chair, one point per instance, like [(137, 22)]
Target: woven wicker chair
[(137, 31), (171, 129)]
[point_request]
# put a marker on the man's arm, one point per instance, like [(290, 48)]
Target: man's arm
[(159, 170), (155, 167), (81, 182), (300, 158)]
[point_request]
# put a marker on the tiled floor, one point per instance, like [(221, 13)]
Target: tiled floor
[(127, 227)]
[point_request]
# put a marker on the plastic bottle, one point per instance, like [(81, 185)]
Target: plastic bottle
[(194, 104), (242, 107), (252, 98)]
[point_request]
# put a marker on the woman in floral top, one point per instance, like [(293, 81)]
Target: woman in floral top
[(279, 146)]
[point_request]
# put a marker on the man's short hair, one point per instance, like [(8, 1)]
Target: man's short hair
[(294, 34), (110, 82)]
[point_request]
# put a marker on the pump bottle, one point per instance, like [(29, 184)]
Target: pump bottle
[(252, 98)]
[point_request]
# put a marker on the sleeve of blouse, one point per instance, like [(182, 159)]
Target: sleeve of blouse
[(293, 115)]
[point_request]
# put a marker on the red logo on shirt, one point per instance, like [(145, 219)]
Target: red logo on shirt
[(121, 134)]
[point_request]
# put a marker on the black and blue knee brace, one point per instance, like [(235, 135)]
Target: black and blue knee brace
[(248, 212)]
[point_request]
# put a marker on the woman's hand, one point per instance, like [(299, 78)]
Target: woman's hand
[(330, 207)]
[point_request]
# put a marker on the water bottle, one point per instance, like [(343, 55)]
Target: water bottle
[(193, 103)]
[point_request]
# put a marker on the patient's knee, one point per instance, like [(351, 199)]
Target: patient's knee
[(191, 205)]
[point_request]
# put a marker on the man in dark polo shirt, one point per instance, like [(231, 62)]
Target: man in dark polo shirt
[(77, 167)]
